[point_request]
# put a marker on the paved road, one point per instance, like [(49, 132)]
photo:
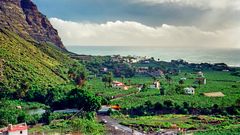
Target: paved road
[(116, 128), (113, 125)]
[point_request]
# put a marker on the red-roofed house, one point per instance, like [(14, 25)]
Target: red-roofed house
[(120, 85), (20, 129)]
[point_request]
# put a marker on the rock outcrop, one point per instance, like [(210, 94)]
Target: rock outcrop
[(23, 18)]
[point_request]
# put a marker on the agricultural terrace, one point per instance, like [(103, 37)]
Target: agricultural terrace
[(216, 82), (183, 123)]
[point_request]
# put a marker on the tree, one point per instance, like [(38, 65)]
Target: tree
[(122, 78), (83, 100), (185, 105), (162, 91), (154, 78), (181, 82), (78, 74), (215, 109), (169, 79), (22, 89), (148, 104), (238, 102), (179, 89), (46, 118), (81, 78), (4, 90), (168, 103), (158, 106), (129, 82), (199, 83), (105, 80), (109, 78)]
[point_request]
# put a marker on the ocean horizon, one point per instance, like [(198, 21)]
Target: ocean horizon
[(192, 55)]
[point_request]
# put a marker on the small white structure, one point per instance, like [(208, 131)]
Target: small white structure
[(155, 85), (20, 129), (189, 90), (104, 69), (200, 74), (183, 79)]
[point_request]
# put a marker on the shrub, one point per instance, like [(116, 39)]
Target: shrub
[(168, 103)]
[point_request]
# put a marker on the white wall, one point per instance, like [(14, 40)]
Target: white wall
[(24, 132)]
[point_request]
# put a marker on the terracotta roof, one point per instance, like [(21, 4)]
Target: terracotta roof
[(18, 128), (14, 128), (118, 83)]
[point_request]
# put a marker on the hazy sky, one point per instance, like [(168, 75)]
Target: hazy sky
[(165, 23)]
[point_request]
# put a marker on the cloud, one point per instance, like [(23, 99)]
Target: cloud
[(129, 33), (204, 4)]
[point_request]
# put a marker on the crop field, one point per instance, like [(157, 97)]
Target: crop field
[(216, 82), (190, 123), (98, 87)]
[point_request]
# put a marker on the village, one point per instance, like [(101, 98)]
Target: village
[(159, 72)]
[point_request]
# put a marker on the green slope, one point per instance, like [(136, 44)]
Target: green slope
[(38, 65)]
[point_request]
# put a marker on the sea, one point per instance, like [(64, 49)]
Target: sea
[(192, 55)]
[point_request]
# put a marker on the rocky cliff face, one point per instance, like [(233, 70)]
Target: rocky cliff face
[(23, 18)]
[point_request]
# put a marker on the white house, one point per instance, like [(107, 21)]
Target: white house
[(20, 129), (104, 69), (155, 85), (189, 90), (200, 74)]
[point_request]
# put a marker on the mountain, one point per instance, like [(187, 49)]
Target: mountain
[(32, 55), (23, 18)]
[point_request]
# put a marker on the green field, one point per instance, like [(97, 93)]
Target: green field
[(98, 87), (216, 82)]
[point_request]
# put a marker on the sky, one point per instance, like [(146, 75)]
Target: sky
[(163, 23)]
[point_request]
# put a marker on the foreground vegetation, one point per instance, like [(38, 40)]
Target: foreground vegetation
[(78, 125), (39, 76), (183, 123)]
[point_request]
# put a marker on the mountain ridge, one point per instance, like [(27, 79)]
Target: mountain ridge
[(22, 17)]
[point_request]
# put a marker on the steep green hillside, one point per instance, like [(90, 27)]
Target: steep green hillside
[(27, 64)]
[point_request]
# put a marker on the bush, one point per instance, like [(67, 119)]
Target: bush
[(158, 106), (168, 103)]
